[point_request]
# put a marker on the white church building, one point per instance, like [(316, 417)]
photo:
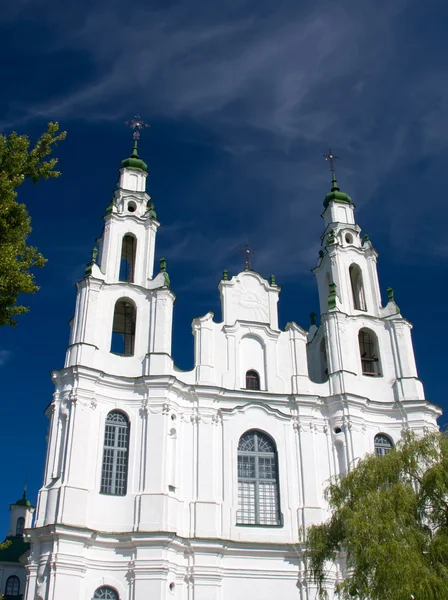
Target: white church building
[(162, 484)]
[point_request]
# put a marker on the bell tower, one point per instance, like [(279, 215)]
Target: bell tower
[(119, 299), (347, 267), (357, 333)]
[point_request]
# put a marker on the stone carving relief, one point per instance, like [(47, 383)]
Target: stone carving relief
[(251, 301)]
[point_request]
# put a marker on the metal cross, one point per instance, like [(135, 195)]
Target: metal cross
[(248, 254), (137, 124), (331, 158)]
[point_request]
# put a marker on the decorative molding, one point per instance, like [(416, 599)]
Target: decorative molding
[(143, 410), (195, 417), (217, 417), (296, 425), (189, 575), (87, 403), (256, 404), (64, 407)]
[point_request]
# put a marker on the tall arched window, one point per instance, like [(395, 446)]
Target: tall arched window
[(359, 299), (115, 456), (123, 328), (258, 493), (106, 593), (368, 348), (127, 262), (252, 380), (20, 525), (383, 444), (12, 587)]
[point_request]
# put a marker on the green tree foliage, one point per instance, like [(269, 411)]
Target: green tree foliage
[(19, 163), (390, 520)]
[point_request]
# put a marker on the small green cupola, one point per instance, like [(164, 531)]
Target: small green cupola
[(134, 161), (23, 500), (335, 195)]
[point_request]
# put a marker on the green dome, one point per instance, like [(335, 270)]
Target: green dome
[(23, 500), (335, 195), (134, 161)]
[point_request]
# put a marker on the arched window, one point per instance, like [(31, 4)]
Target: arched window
[(20, 525), (115, 457), (12, 587), (127, 262), (252, 380), (368, 348), (106, 593), (383, 444), (123, 328), (359, 299), (258, 494)]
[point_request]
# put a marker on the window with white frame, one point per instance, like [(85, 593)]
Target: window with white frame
[(12, 587), (20, 525), (368, 348), (383, 444), (258, 489), (106, 593), (252, 380), (115, 455)]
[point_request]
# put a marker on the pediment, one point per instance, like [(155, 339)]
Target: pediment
[(251, 298)]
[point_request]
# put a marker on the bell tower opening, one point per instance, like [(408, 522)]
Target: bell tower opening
[(127, 262), (359, 298), (123, 328)]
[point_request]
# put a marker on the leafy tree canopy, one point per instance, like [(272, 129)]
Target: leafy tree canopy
[(19, 163), (390, 523)]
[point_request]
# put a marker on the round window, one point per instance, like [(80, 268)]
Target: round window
[(132, 207), (348, 238)]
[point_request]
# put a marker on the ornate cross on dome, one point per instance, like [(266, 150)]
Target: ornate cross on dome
[(331, 158), (137, 124), (248, 254)]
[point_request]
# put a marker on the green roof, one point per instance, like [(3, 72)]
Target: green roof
[(134, 161), (23, 500), (335, 195), (15, 549)]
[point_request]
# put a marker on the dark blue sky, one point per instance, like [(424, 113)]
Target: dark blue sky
[(243, 97)]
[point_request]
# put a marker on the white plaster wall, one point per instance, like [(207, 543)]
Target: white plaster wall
[(177, 521)]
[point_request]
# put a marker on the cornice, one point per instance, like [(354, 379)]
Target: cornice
[(95, 538), (251, 325)]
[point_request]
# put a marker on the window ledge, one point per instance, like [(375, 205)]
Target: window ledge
[(279, 526)]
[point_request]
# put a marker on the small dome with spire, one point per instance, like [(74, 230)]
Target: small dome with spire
[(335, 195), (134, 161), (23, 500)]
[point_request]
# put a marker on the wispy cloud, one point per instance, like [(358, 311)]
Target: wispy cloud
[(276, 85)]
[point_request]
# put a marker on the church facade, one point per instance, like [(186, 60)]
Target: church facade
[(199, 485)]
